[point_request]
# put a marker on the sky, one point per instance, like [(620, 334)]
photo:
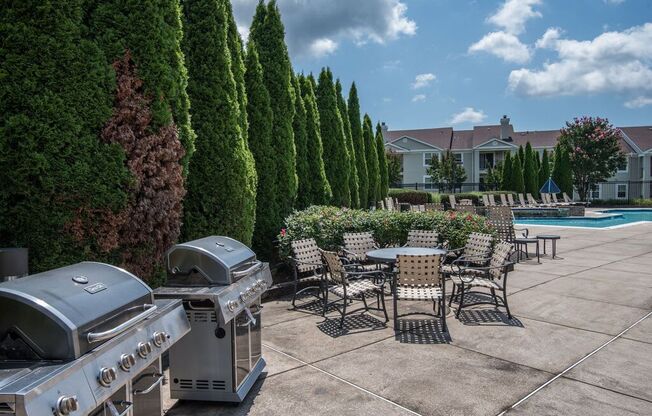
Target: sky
[(435, 63)]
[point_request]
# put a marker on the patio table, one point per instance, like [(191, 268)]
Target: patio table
[(389, 255)]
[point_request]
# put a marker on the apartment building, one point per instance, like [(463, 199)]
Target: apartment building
[(485, 146)]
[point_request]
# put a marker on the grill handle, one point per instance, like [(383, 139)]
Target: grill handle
[(159, 379), (257, 265), (148, 309)]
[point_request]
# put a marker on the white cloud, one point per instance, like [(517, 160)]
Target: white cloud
[(513, 15), (468, 115), (639, 102), (613, 61), (322, 47), (307, 22), (419, 97), (503, 45), (614, 2), (387, 100), (423, 80), (549, 38)]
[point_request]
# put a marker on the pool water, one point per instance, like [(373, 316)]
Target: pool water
[(614, 217)]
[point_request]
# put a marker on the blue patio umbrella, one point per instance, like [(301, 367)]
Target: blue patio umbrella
[(550, 187)]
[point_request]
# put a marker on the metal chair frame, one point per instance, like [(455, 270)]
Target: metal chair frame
[(356, 245), (433, 206), (307, 259), (422, 238), (340, 274)]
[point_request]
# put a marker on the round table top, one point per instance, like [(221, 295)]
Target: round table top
[(526, 240), (388, 255), (548, 236)]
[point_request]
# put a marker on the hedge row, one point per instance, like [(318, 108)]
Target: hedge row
[(414, 197), (327, 226)]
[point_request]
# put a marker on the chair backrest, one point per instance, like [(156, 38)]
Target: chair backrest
[(307, 255), (359, 244), (465, 202), (554, 198), (422, 238), (381, 205), (501, 255), (566, 197), (544, 198), (531, 200), (452, 201), (478, 245), (463, 208), (485, 200), (521, 199), (418, 270), (492, 200), (433, 206), (335, 266), (501, 218), (389, 204), (503, 200), (510, 199)]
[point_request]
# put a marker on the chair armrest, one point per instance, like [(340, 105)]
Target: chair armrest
[(526, 232), (469, 278), (297, 262)]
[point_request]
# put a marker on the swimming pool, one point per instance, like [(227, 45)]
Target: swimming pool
[(612, 218)]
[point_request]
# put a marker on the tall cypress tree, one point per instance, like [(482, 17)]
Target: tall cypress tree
[(506, 180), (222, 181), (530, 174), (320, 190), (237, 66), (269, 35), (336, 159), (561, 172), (521, 156), (56, 94), (152, 32), (517, 175), (259, 115), (353, 171), (544, 170), (373, 173), (354, 117), (301, 144), (382, 163)]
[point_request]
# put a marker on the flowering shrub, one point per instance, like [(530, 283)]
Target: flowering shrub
[(327, 226)]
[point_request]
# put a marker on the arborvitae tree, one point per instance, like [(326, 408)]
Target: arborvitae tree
[(373, 172), (237, 66), (268, 33), (382, 163), (353, 171), (320, 190), (506, 181), (517, 175), (336, 160), (152, 31), (301, 145), (55, 96), (521, 156), (544, 170), (561, 171), (222, 181), (353, 108), (259, 115), (530, 174)]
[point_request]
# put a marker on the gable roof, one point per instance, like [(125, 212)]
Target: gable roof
[(439, 137), (641, 136)]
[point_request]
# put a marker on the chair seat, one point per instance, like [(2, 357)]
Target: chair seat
[(310, 278), (477, 281), (450, 269), (418, 292), (355, 288)]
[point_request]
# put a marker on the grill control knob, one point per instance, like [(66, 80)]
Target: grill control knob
[(159, 338), (66, 405), (231, 305), (144, 349), (243, 296), (107, 376), (127, 361)]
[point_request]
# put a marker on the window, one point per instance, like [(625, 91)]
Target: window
[(624, 167), (621, 191), (486, 161), (428, 156), (595, 192), (459, 158), (427, 182)]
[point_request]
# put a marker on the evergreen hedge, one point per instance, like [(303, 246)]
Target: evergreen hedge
[(544, 170), (353, 109), (382, 163), (222, 180), (373, 171), (561, 171), (353, 170), (335, 158), (530, 172), (412, 196), (516, 182), (301, 145), (56, 95), (506, 180)]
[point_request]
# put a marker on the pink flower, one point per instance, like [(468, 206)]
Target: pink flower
[(283, 232)]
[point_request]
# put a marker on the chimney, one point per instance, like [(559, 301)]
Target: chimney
[(384, 127), (504, 129)]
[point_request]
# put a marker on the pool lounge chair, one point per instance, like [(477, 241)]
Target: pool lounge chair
[(521, 199), (503, 200), (510, 200), (485, 200), (531, 201), (452, 201), (492, 200), (558, 202)]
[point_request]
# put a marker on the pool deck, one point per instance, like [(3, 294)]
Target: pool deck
[(582, 327)]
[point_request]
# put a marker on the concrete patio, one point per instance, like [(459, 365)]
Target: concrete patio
[(564, 310)]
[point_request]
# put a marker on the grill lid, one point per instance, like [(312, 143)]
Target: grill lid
[(61, 314), (209, 261)]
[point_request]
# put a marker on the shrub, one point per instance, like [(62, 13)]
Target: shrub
[(414, 197), (327, 226), (647, 202)]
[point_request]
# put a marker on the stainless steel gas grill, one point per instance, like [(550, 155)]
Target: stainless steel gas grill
[(220, 282), (84, 340)]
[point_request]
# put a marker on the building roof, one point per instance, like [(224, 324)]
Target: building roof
[(469, 139)]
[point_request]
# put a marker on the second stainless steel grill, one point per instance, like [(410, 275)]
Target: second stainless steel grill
[(220, 282)]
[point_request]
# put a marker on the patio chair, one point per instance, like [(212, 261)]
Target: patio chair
[(558, 202), (356, 246), (531, 201), (432, 206), (492, 200), (419, 279), (307, 266), (389, 204), (502, 219), (452, 201), (510, 200), (422, 238), (492, 277), (503, 200), (366, 284), (476, 252), (466, 202), (521, 199), (485, 201), (381, 205), (570, 201), (465, 209)]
